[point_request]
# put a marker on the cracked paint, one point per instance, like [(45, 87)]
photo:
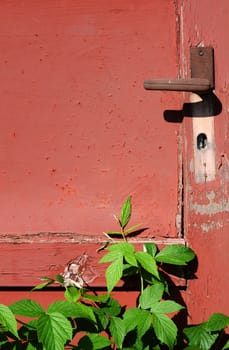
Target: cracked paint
[(211, 226), (211, 208)]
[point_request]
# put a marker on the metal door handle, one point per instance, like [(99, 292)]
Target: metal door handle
[(192, 85), (202, 74)]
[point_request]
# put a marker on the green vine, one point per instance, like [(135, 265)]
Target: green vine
[(87, 321)]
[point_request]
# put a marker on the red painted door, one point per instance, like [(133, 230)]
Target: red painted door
[(206, 202), (79, 134)]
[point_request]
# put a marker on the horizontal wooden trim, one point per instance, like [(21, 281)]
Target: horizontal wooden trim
[(67, 237), (27, 257)]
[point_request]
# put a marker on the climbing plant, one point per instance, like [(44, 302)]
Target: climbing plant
[(85, 320)]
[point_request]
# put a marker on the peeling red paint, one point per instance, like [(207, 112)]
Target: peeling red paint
[(206, 205)]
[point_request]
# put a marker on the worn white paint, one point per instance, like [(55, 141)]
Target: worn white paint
[(204, 159)]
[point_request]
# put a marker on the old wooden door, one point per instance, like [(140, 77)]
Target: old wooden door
[(206, 204), (79, 134)]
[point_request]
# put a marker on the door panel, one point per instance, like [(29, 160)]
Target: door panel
[(78, 132), (207, 204)]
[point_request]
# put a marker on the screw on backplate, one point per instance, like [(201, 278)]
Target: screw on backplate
[(201, 53)]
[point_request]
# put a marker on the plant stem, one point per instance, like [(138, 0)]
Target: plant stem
[(123, 235)]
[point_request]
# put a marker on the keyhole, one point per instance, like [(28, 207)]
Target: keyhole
[(202, 141)]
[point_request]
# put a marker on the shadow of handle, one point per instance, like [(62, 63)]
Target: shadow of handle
[(209, 106)]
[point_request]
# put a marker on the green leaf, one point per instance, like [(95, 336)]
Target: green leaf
[(8, 320), (151, 295), (151, 248), (129, 270), (111, 256), (117, 330), (131, 318), (60, 279), (114, 273), (165, 329), (217, 322), (144, 323), (72, 294), (114, 233), (131, 229), (101, 298), (53, 331), (166, 307), (101, 319), (137, 318), (147, 262), (93, 341), (118, 250), (111, 307), (123, 247), (125, 213), (131, 259), (175, 254), (199, 336), (48, 279), (32, 347), (226, 346), (67, 309), (26, 307), (42, 285), (32, 324)]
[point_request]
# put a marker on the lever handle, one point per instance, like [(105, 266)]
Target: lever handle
[(197, 85), (202, 74)]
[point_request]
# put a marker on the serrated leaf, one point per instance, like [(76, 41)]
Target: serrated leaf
[(125, 213), (167, 307), (199, 336), (117, 330), (72, 294), (94, 341), (151, 295), (122, 247), (8, 320), (110, 256), (131, 259), (147, 262), (217, 322), (151, 248), (101, 319), (111, 307), (175, 254), (131, 318), (135, 318), (53, 331), (76, 310), (114, 273), (144, 323), (26, 307), (165, 329)]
